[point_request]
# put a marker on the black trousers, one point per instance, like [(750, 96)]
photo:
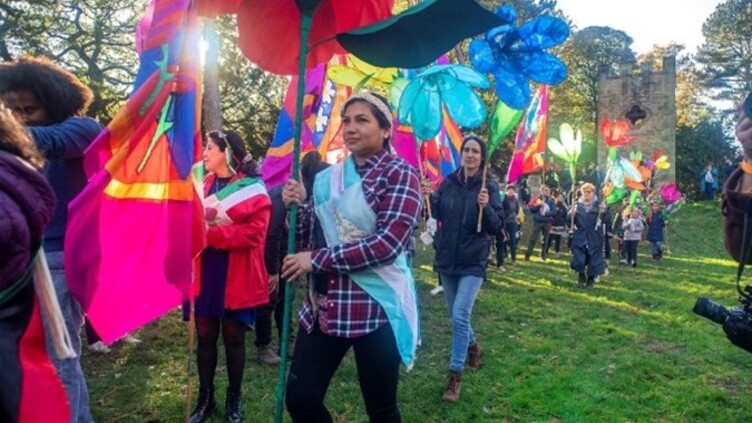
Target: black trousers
[(631, 251), (264, 314), (317, 357), (542, 230)]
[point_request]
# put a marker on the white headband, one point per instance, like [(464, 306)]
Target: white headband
[(371, 99)]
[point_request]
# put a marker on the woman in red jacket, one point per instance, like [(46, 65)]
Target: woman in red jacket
[(231, 273)]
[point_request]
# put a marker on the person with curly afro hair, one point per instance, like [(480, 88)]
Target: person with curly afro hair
[(51, 102)]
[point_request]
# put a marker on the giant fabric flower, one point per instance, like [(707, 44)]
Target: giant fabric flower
[(669, 193), (622, 170), (569, 147), (615, 133), (515, 55), (358, 73), (269, 31), (442, 85)]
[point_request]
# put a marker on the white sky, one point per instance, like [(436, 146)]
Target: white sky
[(648, 22)]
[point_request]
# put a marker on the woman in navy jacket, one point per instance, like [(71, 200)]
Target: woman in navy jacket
[(462, 250), (587, 241)]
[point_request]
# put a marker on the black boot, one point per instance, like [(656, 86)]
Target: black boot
[(232, 407), (205, 407), (581, 279)]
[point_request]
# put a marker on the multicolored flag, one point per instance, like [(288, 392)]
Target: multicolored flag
[(321, 123), (530, 144), (134, 230)]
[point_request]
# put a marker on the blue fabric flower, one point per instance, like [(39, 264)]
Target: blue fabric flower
[(515, 55), (442, 86)]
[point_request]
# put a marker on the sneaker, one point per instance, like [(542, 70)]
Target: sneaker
[(623, 261), (605, 272), (130, 339), (558, 255), (501, 268), (439, 289), (266, 355), (99, 347)]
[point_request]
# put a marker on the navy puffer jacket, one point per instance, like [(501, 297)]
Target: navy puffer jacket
[(460, 249), (27, 204)]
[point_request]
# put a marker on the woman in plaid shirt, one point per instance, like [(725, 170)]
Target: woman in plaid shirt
[(356, 228)]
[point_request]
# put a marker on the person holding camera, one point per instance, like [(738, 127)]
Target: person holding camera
[(737, 210), (738, 189)]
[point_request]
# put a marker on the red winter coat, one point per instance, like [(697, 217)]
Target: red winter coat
[(247, 281)]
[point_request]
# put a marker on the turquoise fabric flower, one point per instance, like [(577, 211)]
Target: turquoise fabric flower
[(442, 86)]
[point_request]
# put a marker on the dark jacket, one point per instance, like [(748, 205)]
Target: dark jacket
[(655, 227), (543, 216), (586, 232), (733, 209), (560, 216), (460, 248), (276, 236), (26, 206), (511, 208), (63, 145)]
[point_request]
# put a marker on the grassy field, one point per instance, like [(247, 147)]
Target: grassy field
[(629, 350)]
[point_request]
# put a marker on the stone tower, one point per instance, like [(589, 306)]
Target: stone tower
[(647, 100)]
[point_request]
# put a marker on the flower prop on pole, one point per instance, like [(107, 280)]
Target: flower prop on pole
[(359, 74), (440, 86), (420, 34), (568, 148), (616, 133), (515, 55)]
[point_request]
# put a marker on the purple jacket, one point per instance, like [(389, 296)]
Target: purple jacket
[(26, 207)]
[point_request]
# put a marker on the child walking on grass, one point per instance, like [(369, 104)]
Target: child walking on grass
[(632, 226), (656, 223)]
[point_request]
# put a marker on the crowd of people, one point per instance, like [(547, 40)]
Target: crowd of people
[(354, 236)]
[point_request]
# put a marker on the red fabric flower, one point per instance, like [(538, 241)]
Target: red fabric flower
[(269, 30), (214, 8), (615, 133)]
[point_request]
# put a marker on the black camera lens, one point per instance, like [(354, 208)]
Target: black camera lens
[(709, 309)]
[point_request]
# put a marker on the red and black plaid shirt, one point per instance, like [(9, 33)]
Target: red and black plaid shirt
[(392, 190)]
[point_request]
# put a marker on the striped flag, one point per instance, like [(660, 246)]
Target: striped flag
[(135, 228)]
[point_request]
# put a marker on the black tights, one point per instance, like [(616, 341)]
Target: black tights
[(233, 335)]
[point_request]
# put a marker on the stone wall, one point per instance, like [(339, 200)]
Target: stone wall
[(647, 99)]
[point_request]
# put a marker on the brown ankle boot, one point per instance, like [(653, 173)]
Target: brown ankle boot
[(454, 384), (474, 353)]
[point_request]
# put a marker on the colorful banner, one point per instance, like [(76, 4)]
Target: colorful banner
[(530, 144), (135, 228), (321, 123)]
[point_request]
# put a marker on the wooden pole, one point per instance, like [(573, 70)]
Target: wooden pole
[(482, 185)]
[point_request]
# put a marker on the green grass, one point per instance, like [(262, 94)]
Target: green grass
[(629, 350)]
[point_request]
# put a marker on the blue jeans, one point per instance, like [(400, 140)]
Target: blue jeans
[(656, 247), (69, 370), (460, 293)]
